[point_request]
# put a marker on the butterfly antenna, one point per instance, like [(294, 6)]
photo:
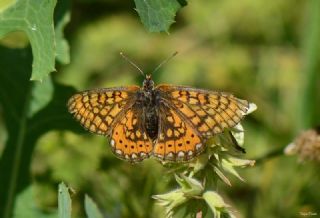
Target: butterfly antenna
[(165, 61), (133, 64)]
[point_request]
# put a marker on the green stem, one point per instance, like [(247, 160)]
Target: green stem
[(275, 153), (309, 86), (17, 160)]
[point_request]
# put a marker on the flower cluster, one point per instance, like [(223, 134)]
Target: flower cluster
[(306, 145), (197, 192)]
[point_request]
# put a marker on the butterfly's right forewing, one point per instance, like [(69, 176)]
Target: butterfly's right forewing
[(209, 112)]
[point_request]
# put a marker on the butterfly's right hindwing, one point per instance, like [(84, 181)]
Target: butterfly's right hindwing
[(129, 138)]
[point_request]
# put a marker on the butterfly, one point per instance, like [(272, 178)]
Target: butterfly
[(170, 123)]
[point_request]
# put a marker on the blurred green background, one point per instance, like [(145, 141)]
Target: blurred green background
[(265, 52)]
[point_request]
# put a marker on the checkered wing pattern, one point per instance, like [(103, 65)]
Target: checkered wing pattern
[(111, 112), (129, 139), (98, 110), (187, 117), (177, 139), (202, 114)]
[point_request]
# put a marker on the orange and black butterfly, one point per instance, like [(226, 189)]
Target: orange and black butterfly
[(171, 123)]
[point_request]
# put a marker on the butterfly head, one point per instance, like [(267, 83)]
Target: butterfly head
[(148, 83)]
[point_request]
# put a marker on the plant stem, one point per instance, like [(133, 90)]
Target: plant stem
[(275, 153), (9, 205), (309, 93)]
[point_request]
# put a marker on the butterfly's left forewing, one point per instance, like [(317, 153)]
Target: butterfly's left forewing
[(99, 109), (112, 112)]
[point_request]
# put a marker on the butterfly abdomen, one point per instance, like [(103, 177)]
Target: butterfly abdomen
[(151, 122), (146, 99)]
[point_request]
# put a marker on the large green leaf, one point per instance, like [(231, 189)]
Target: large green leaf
[(158, 15), (16, 99), (35, 18), (26, 208)]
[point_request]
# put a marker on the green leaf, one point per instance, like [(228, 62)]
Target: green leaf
[(158, 15), (199, 163), (189, 186), (91, 208), (35, 18), (4, 4), (229, 167), (41, 95), (25, 206), (23, 130), (174, 201), (62, 18), (214, 200), (64, 201), (171, 200), (216, 204), (221, 175)]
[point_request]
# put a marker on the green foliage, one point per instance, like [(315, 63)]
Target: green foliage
[(216, 203), (36, 20), (64, 201), (61, 19), (266, 53), (157, 15), (41, 94), (308, 109), (27, 115), (34, 108), (91, 208), (199, 178), (25, 206)]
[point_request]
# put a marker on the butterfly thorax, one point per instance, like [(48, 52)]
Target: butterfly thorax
[(148, 99)]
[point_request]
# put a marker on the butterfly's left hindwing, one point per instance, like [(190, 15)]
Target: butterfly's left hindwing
[(129, 139)]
